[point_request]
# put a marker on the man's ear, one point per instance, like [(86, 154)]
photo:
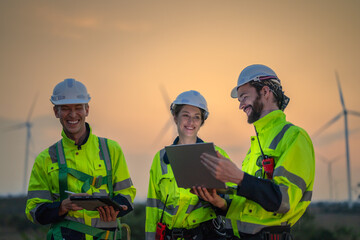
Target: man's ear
[(265, 91), (87, 109), (56, 111)]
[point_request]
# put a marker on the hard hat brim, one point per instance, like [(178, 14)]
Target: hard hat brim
[(234, 92), (69, 101)]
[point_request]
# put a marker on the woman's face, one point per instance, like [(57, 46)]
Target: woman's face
[(188, 121)]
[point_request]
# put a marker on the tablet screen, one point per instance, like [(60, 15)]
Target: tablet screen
[(187, 167), (91, 203)]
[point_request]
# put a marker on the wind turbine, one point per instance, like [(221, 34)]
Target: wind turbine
[(28, 125), (170, 121), (329, 165), (344, 113)]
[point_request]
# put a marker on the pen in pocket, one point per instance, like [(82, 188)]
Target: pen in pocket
[(69, 192)]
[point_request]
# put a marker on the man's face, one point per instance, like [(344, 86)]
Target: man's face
[(72, 118), (250, 102)]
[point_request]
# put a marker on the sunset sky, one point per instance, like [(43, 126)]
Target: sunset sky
[(132, 55)]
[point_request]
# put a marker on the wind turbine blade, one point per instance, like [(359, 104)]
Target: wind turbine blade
[(336, 158), (14, 127), (330, 138), (322, 158), (32, 107), (320, 155), (328, 124), (340, 91), (165, 96), (354, 113), (164, 129)]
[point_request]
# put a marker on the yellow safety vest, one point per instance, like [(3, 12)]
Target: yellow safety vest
[(183, 209), (89, 160), (294, 173)]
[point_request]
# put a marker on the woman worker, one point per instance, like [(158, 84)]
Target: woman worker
[(182, 214)]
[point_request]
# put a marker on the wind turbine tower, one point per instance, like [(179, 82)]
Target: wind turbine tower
[(330, 180), (344, 113), (28, 126)]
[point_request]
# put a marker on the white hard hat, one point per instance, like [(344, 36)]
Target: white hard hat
[(70, 91), (256, 72), (192, 98)]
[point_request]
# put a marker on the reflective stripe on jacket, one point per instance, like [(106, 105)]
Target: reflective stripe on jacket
[(44, 180), (294, 172), (183, 209)]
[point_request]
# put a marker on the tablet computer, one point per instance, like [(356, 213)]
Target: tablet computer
[(187, 167), (92, 202)]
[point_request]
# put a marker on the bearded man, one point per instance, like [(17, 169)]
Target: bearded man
[(276, 180)]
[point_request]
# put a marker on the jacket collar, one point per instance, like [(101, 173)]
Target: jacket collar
[(198, 140), (71, 142), (269, 120)]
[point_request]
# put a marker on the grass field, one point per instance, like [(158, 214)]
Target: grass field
[(322, 221)]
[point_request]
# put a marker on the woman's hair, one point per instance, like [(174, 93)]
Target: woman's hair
[(177, 108)]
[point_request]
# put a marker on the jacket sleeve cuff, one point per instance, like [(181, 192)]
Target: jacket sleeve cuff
[(123, 201), (221, 212), (246, 186), (262, 191), (48, 213)]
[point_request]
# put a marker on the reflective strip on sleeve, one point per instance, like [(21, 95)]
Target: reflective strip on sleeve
[(306, 196), (285, 201), (124, 184), (156, 203), (200, 204), (164, 169), (279, 136), (128, 198), (42, 194), (33, 211), (298, 181)]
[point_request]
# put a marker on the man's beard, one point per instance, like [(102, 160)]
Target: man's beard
[(256, 110)]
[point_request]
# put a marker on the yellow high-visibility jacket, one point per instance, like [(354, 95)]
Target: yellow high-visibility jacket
[(44, 180), (293, 178), (183, 209)]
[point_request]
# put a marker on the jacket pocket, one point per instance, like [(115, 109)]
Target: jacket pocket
[(257, 212), (53, 173), (168, 187), (53, 167), (100, 168)]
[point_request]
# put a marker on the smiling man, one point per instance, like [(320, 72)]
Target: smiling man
[(276, 180), (81, 163)]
